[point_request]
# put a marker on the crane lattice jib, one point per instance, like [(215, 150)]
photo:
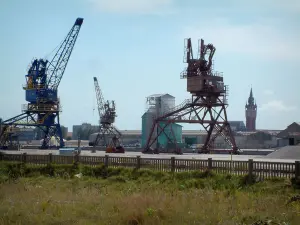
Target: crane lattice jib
[(58, 64), (100, 98)]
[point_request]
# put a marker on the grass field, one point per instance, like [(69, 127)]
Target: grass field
[(53, 195)]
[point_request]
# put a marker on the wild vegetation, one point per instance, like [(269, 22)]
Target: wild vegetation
[(75, 194)]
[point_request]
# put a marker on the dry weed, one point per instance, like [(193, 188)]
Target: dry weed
[(97, 201)]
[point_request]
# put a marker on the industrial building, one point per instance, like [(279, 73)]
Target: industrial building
[(289, 136), (83, 131)]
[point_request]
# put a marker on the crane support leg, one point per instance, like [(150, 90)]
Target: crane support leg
[(210, 115), (13, 128)]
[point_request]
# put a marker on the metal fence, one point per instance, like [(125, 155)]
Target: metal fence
[(262, 169)]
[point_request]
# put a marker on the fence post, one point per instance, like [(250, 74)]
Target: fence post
[(138, 162), (76, 158), (297, 169), (1, 156), (250, 167), (172, 164), (106, 161), (50, 157), (24, 157), (209, 163)]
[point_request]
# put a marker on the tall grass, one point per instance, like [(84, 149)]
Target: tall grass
[(53, 194)]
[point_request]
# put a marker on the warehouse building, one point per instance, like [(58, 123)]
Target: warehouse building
[(289, 136)]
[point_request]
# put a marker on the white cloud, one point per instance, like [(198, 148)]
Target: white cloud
[(268, 92), (133, 6), (260, 40), (276, 105)]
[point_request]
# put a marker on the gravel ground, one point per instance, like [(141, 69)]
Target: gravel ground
[(287, 152)]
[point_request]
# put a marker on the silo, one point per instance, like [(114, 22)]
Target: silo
[(167, 103), (163, 104), (147, 122), (157, 105)]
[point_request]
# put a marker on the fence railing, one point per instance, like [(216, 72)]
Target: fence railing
[(263, 170)]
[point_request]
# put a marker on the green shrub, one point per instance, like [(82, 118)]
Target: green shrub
[(248, 180), (15, 170), (193, 179), (296, 182), (97, 171)]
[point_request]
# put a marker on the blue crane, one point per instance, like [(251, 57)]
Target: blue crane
[(43, 107)]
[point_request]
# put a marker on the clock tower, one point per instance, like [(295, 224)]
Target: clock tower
[(251, 112)]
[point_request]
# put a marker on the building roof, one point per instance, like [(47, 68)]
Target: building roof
[(131, 132), (272, 132), (159, 95), (293, 133), (290, 131), (244, 133)]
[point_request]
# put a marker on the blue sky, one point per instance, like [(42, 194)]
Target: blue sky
[(135, 48)]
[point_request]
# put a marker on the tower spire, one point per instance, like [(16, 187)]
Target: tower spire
[(251, 99), (251, 112)]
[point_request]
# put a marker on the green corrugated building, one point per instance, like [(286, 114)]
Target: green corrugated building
[(174, 132), (147, 122)]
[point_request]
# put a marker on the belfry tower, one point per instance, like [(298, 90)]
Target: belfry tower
[(251, 112)]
